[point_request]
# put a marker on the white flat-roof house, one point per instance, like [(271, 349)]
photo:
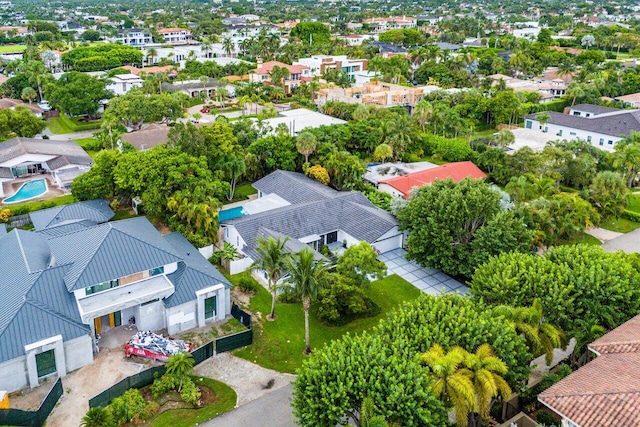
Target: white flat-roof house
[(600, 126), (78, 275), (132, 37), (175, 35), (319, 64), (123, 83)]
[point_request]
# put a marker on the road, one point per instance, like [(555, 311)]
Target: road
[(271, 410)]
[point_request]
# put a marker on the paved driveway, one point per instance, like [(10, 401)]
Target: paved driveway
[(429, 280)]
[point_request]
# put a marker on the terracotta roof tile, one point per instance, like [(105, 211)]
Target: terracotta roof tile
[(623, 339), (456, 171)]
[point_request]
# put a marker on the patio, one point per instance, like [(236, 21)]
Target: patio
[(428, 280)]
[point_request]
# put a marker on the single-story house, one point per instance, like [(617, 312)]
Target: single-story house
[(64, 160), (13, 103), (299, 119), (76, 275), (605, 391), (379, 172), (148, 137), (310, 213), (600, 126), (401, 186)]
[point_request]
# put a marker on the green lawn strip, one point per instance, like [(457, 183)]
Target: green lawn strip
[(27, 207), (57, 126), (12, 48), (634, 203), (63, 124), (226, 399), (621, 225), (278, 345), (123, 214), (434, 159), (582, 238)]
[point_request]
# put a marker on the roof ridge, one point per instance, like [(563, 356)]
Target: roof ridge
[(42, 306)]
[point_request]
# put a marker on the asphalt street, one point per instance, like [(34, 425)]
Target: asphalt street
[(271, 410)]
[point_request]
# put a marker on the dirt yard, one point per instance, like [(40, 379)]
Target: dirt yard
[(109, 367)]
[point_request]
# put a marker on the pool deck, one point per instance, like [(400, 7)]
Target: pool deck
[(11, 187)]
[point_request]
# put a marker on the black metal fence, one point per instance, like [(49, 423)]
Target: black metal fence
[(17, 417), (139, 380), (146, 377)]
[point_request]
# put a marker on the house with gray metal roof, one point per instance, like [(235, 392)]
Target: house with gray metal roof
[(77, 275), (600, 126), (309, 213), (20, 157)]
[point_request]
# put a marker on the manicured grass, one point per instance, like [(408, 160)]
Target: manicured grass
[(244, 190), (63, 124), (27, 207), (634, 203), (279, 344), (581, 239), (12, 48), (621, 225), (123, 214), (226, 399), (90, 145), (434, 159)]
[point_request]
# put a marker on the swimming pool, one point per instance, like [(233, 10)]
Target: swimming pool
[(232, 213), (28, 190)]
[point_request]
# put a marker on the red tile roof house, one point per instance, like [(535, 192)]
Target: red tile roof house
[(401, 186), (298, 74), (606, 391)]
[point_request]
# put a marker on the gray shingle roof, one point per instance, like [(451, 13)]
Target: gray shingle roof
[(72, 152), (111, 250), (351, 212), (294, 187), (615, 124), (97, 211), (193, 274), (594, 109)]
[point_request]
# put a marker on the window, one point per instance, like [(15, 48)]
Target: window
[(588, 115), (576, 113), (46, 363), (610, 142), (102, 287), (589, 138), (572, 133), (560, 132), (210, 307), (601, 141), (156, 271), (528, 124)]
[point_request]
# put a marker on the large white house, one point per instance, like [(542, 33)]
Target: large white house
[(319, 64), (600, 126), (78, 275), (120, 84), (309, 213)]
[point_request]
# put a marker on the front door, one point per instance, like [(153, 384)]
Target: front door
[(115, 319), (46, 363), (210, 307)]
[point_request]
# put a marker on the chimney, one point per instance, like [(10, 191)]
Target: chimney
[(259, 60)]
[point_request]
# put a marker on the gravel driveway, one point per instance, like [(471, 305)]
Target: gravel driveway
[(247, 379)]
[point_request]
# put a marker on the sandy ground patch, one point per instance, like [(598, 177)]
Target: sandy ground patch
[(109, 367), (247, 379)]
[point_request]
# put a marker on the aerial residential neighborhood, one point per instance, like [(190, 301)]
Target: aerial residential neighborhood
[(275, 213)]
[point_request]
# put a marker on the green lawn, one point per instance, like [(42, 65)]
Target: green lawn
[(279, 344), (582, 238), (226, 400), (434, 159), (123, 214), (63, 124), (621, 225), (23, 208), (634, 203), (57, 126), (12, 48), (90, 145)]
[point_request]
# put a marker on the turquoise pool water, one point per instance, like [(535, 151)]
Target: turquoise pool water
[(28, 190), (232, 213)]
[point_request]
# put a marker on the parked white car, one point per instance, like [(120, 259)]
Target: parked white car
[(44, 105)]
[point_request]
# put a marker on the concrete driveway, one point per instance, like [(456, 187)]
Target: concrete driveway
[(428, 280), (272, 410)]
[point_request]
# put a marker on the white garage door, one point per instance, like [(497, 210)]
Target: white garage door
[(389, 244)]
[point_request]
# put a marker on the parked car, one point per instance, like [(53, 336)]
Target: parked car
[(205, 110)]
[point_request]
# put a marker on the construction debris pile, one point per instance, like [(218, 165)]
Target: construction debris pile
[(158, 344)]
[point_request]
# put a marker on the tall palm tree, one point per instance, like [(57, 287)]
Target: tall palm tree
[(228, 46), (206, 46), (234, 169), (486, 375), (273, 261), (97, 417), (151, 53), (180, 365), (306, 277), (306, 143), (450, 381)]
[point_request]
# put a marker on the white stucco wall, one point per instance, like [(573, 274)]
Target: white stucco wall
[(240, 265), (13, 374), (386, 188), (181, 317), (78, 352), (572, 133), (389, 241), (150, 317)]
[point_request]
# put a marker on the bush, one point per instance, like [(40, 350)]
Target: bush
[(124, 408), (546, 418), (343, 302), (287, 296), (163, 385), (190, 393), (5, 214), (248, 285), (631, 215)]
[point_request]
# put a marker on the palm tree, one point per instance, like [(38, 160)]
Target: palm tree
[(504, 138), (423, 112), (530, 322), (486, 375), (382, 152), (29, 94), (206, 46), (306, 143), (234, 169), (450, 381), (306, 277), (180, 365), (227, 45), (273, 262), (96, 417), (151, 53)]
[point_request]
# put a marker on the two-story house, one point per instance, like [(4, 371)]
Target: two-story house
[(320, 64), (132, 37), (78, 274), (298, 74), (176, 35)]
